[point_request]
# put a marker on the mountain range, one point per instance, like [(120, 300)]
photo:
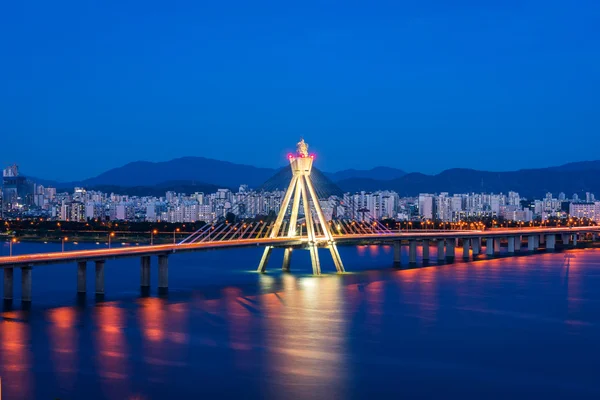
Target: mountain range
[(190, 174)]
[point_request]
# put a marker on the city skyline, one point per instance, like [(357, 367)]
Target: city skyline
[(388, 82), (82, 205)]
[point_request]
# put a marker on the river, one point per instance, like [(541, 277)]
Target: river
[(521, 327)]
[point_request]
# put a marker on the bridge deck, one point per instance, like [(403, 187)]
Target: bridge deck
[(103, 254)]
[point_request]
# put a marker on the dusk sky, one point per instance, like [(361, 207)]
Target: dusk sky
[(422, 85)]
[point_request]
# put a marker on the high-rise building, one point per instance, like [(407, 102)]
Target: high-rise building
[(562, 196), (426, 205), (16, 190), (585, 210), (589, 197), (94, 210), (77, 211)]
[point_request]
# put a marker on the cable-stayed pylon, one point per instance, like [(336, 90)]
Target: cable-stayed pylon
[(318, 233)]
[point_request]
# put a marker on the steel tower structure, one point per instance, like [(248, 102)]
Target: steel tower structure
[(302, 190)]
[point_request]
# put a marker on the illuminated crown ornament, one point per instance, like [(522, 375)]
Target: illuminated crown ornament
[(302, 190), (302, 148)]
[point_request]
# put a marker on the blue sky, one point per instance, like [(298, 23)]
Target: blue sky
[(423, 86)]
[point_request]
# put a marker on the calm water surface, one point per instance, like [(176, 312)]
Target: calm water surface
[(526, 327)]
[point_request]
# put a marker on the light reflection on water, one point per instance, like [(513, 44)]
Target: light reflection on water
[(500, 326), (15, 356), (63, 341)]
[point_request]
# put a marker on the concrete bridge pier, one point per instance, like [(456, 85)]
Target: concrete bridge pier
[(511, 244), (26, 284), (497, 245), (565, 239), (412, 252), (530, 243), (81, 277), (397, 248), (8, 284), (450, 246), (594, 237), (163, 274), (425, 251), (536, 242), (262, 266), (287, 258), (551, 242), (145, 274), (466, 247), (476, 245), (335, 256), (100, 278), (489, 247), (575, 239), (440, 250)]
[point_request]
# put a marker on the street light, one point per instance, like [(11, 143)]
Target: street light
[(176, 230), (110, 235), (13, 240), (154, 232), (63, 243)]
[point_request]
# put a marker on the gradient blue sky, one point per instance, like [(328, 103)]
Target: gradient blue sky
[(419, 85)]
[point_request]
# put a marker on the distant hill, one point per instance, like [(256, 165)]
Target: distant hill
[(208, 171), (190, 174), (380, 173), (579, 166), (200, 169), (569, 178)]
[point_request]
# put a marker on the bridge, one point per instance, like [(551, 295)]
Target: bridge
[(294, 230)]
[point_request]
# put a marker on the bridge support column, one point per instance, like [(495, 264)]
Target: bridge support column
[(412, 252), (287, 258), (314, 259), (511, 244), (8, 283), (497, 245), (335, 255), (397, 252), (100, 278), (466, 247), (531, 243), (489, 246), (536, 241), (262, 266), (575, 235), (26, 284), (81, 276), (163, 274), (426, 251), (551, 242), (476, 245), (594, 237), (565, 239), (145, 273), (440, 250), (450, 245)]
